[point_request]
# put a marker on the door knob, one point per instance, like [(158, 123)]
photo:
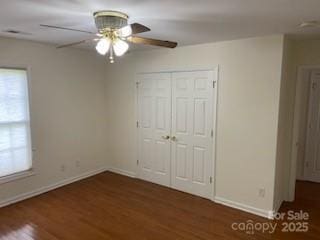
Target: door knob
[(166, 137), (174, 138)]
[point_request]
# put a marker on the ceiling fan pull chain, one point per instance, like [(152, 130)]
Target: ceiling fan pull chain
[(111, 55)]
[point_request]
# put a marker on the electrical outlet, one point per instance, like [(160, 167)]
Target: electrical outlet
[(77, 163), (262, 192)]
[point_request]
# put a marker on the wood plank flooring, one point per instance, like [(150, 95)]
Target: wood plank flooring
[(110, 206)]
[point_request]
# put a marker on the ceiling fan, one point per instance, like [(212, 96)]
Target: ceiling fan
[(114, 33)]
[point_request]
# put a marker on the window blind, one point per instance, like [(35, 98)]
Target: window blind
[(15, 140)]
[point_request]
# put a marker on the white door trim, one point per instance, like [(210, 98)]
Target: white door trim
[(215, 106)]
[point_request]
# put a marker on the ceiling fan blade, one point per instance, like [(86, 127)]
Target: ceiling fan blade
[(150, 41), (64, 28), (139, 28), (73, 44)]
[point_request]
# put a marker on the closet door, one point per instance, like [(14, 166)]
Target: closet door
[(154, 103), (191, 154)]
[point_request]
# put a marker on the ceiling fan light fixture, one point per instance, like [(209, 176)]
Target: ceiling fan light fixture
[(125, 31), (114, 33), (120, 47), (103, 46)]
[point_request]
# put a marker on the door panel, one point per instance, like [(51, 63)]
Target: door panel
[(199, 117), (154, 104), (198, 174), (161, 105), (160, 157), (146, 154), (312, 159), (181, 115), (192, 111), (181, 161)]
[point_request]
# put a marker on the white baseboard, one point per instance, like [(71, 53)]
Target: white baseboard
[(123, 172), (48, 188), (257, 211)]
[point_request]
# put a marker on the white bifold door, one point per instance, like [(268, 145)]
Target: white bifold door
[(312, 158), (176, 130), (191, 145), (154, 127)]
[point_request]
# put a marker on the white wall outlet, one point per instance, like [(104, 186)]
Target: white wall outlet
[(262, 192), (77, 163)]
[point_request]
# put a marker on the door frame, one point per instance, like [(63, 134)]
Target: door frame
[(215, 105), (295, 130)]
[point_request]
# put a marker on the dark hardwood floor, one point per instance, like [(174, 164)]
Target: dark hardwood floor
[(110, 206)]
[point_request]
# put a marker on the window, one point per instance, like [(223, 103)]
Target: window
[(15, 141)]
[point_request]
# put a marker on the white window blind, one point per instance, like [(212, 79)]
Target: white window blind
[(15, 140)]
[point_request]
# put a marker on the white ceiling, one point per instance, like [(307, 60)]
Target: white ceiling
[(185, 21)]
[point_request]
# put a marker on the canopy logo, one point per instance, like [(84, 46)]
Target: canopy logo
[(290, 221), (250, 227)]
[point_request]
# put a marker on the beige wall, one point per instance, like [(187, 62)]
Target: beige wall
[(68, 114), (248, 105)]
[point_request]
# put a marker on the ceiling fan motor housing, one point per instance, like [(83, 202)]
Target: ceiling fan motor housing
[(106, 20)]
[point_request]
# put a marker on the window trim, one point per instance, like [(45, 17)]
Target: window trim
[(29, 172), (17, 176)]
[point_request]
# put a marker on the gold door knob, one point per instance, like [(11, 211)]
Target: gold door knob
[(174, 138), (166, 137)]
